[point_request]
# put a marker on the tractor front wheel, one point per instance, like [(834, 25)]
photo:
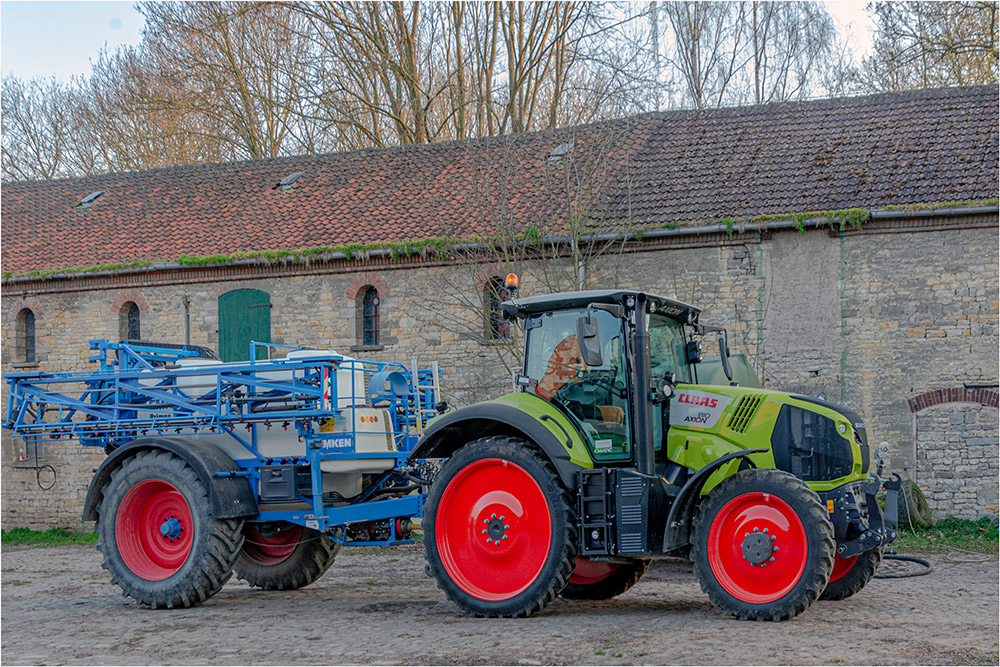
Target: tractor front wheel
[(595, 580), (155, 528), (282, 556), (763, 546), (852, 574), (500, 529)]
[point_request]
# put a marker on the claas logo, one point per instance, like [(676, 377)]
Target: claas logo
[(698, 400)]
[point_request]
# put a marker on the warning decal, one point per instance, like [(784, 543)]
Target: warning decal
[(698, 409)]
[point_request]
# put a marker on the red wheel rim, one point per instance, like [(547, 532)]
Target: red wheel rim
[(270, 547), (842, 566), (493, 530), (154, 529), (590, 572), (741, 517)]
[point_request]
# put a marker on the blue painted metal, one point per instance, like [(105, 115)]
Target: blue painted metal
[(171, 528), (139, 390)]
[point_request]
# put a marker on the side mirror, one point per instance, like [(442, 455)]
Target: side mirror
[(590, 341), (724, 353)]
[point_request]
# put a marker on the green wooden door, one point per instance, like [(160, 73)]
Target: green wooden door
[(244, 315)]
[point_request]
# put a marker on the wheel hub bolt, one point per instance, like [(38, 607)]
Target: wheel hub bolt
[(496, 529)]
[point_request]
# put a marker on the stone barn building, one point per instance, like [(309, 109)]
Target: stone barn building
[(851, 245)]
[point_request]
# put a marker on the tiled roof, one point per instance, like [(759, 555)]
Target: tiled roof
[(677, 166)]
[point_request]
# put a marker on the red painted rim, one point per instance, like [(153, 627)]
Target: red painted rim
[(493, 494), (145, 510), (273, 545), (842, 566), (742, 516), (590, 572)]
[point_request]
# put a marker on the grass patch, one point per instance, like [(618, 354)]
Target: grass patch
[(48, 538), (980, 536)]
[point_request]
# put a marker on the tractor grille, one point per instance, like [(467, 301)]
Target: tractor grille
[(807, 444), (745, 410)]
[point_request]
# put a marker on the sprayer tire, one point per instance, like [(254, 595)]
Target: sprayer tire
[(160, 542), (283, 564)]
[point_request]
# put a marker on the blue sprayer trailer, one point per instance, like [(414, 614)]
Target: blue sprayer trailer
[(265, 468)]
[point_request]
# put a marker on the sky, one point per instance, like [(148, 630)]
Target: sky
[(61, 39)]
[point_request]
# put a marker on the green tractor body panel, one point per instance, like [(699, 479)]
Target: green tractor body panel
[(717, 420), (555, 421)]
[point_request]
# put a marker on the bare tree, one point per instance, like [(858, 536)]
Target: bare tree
[(732, 53), (789, 43), (709, 38), (929, 44), (238, 65), (37, 129), (122, 123)]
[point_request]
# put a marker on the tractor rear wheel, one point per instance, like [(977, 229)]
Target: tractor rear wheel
[(850, 575), (763, 546), (602, 581), (500, 529), (282, 556), (155, 528)]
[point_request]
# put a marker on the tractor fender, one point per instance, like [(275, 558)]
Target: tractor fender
[(230, 497), (447, 433), (679, 519)]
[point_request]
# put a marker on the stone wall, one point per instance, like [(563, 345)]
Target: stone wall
[(957, 459), (868, 319)]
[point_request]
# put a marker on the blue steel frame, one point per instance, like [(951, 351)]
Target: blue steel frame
[(135, 392)]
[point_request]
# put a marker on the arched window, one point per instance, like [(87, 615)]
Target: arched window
[(128, 324), (26, 336), (495, 293), (368, 334)]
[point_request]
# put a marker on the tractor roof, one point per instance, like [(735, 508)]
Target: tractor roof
[(545, 303)]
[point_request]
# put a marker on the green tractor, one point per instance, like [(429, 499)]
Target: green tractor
[(611, 454)]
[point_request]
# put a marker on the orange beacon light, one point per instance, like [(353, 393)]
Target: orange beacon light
[(512, 283)]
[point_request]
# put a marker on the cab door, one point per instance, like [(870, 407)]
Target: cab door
[(597, 396), (667, 354)]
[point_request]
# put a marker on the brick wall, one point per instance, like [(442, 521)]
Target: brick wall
[(868, 319)]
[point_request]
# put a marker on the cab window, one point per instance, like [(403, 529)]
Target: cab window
[(667, 354), (596, 395), (667, 348)]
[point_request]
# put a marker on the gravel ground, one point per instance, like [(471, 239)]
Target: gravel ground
[(377, 606)]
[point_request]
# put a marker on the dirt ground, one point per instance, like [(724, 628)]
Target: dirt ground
[(378, 606)]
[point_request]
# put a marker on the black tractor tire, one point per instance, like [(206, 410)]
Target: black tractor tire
[(621, 578), (500, 529), (853, 580), (913, 507), (152, 492), (780, 522), (283, 556)]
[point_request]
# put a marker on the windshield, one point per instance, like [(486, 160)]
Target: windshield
[(667, 348)]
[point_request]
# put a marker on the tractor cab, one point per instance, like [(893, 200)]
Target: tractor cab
[(580, 356)]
